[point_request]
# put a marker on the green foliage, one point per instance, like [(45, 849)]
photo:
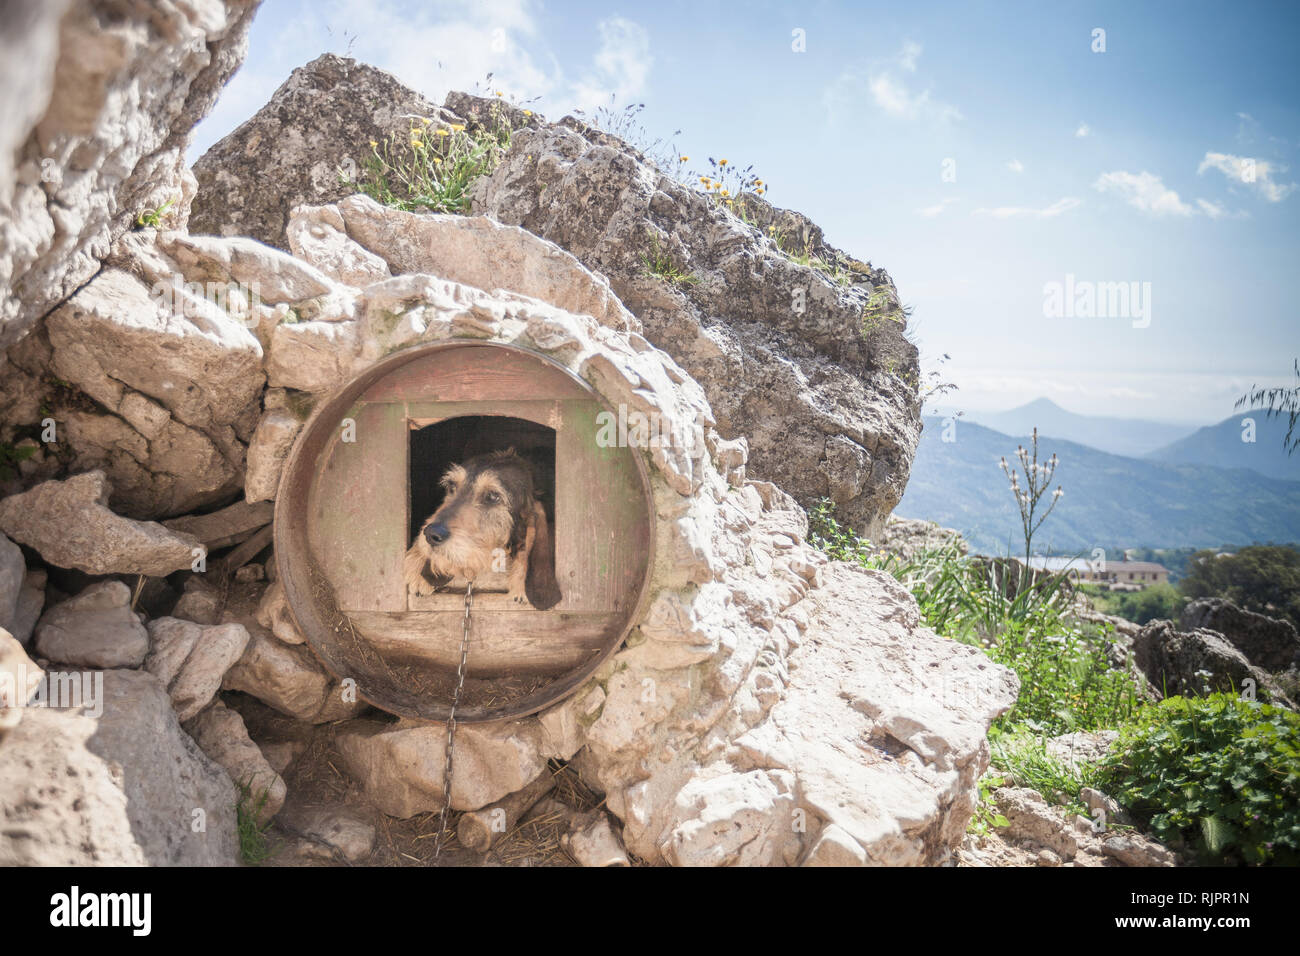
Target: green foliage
[(660, 264), (434, 168), (1066, 679), (10, 456), (1261, 578), (986, 817), (152, 218), (254, 843), (1218, 776), (1161, 600), (1022, 753), (1279, 402)]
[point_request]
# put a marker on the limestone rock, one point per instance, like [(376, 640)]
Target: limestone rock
[(1196, 662), (330, 832), (221, 734), (99, 105), (807, 369), (1270, 643), (190, 660), (18, 673), (201, 602), (119, 784), (401, 765), (70, 524), (290, 680), (594, 843), (318, 125), (97, 628), (225, 527), (267, 452), (1032, 819), (31, 599), (13, 569)]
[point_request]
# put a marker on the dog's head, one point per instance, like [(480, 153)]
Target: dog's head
[(490, 504)]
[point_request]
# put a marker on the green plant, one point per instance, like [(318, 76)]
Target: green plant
[(152, 218), (1021, 751), (837, 542), (11, 456), (1279, 402), (986, 817), (254, 843), (660, 264), (1217, 776), (435, 167), (1261, 578), (1161, 600)]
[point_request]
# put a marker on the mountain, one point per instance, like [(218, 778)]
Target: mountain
[(1221, 445), (1109, 499), (1119, 436)]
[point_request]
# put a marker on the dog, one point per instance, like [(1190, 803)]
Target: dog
[(490, 511)]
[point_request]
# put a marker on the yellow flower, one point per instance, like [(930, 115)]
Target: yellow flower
[(426, 121), (722, 162), (760, 192), (758, 182), (729, 202), (705, 180), (417, 144), (725, 193), (528, 112), (685, 159), (443, 132), (458, 127), (498, 92), (437, 160), (373, 143)]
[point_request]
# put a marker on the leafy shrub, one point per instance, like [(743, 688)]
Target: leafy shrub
[(1159, 601), (1022, 753), (434, 168), (1218, 776)]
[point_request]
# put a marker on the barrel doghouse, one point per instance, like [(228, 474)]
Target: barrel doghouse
[(362, 477)]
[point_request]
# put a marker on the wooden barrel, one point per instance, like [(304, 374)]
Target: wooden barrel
[(362, 477)]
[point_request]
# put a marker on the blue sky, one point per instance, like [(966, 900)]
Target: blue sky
[(975, 151)]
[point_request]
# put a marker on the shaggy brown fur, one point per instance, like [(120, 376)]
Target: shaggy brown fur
[(490, 516)]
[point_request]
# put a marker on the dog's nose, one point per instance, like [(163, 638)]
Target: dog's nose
[(437, 533)]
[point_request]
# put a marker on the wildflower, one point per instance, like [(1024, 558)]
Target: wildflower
[(722, 162), (373, 143), (528, 112), (760, 192), (758, 182), (458, 127), (498, 92), (443, 132), (685, 159), (426, 121), (437, 160), (726, 192)]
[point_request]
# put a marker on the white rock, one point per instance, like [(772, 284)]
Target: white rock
[(97, 628), (221, 734), (191, 659)]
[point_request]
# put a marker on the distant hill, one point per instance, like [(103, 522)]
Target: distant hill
[(1221, 445), (1134, 437), (1109, 499)]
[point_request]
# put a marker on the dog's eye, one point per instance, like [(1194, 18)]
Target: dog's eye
[(450, 487), (492, 498)]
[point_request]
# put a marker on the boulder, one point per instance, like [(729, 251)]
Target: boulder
[(99, 102), (70, 524), (13, 569), (290, 680), (1032, 819), (97, 628), (191, 660), (1270, 643), (906, 538), (321, 121), (401, 765), (806, 366), (18, 675), (200, 602), (1196, 662), (221, 734), (120, 784), (31, 599)]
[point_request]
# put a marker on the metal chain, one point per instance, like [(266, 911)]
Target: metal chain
[(451, 723)]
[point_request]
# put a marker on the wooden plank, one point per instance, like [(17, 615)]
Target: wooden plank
[(475, 373), (542, 411), (357, 512), (502, 643), (601, 517)]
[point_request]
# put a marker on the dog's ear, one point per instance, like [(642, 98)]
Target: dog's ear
[(540, 586)]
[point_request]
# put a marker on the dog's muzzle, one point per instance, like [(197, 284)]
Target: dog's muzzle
[(437, 533)]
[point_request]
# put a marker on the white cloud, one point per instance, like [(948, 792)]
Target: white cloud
[(1256, 173), (1016, 166), (908, 56), (1144, 191), (1083, 130), (929, 212), (1062, 205), (886, 88), (1217, 210), (621, 65)]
